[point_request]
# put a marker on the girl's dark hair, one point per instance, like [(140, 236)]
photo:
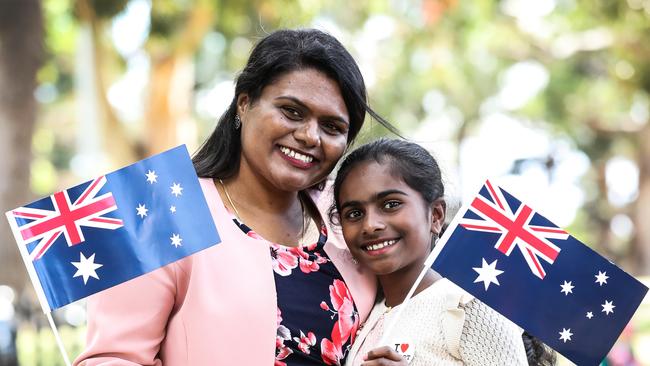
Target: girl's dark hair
[(409, 161), (537, 353), (278, 53)]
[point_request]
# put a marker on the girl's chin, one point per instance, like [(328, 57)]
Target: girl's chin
[(378, 268)]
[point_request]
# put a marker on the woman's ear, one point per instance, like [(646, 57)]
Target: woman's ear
[(438, 210), (243, 103)]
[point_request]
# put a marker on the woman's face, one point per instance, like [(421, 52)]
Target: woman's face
[(297, 130), (387, 225)]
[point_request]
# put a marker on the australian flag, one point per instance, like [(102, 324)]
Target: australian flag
[(113, 228), (537, 275)]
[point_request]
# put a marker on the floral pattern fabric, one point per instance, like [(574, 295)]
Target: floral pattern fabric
[(317, 318)]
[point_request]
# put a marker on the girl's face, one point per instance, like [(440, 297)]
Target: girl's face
[(297, 130), (386, 224)]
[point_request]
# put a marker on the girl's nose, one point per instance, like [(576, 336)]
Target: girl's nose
[(373, 223)]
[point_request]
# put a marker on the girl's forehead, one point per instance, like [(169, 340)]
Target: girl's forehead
[(370, 177)]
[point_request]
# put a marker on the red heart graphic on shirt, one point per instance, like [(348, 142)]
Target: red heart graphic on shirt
[(404, 347)]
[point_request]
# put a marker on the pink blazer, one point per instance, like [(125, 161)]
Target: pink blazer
[(217, 307)]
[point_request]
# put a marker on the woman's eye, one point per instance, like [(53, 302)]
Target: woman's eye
[(291, 113), (332, 128)]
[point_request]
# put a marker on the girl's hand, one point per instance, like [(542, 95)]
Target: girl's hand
[(384, 356)]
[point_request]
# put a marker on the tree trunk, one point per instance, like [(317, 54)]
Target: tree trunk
[(21, 51), (168, 117), (103, 142), (641, 213)]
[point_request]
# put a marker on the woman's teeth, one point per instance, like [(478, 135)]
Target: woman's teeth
[(379, 245), (296, 155)]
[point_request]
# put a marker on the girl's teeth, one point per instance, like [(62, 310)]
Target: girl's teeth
[(380, 245), (296, 155)]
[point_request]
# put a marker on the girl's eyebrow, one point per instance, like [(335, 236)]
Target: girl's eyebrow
[(387, 192), (377, 196)]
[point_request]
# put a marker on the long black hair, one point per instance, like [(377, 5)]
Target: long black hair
[(278, 53), (537, 353)]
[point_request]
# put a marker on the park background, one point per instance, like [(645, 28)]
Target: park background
[(549, 97)]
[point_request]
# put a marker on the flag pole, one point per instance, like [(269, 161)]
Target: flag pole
[(40, 294), (58, 339)]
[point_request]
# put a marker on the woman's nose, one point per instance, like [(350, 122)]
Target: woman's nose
[(308, 133)]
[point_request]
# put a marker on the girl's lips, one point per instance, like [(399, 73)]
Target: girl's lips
[(380, 251)]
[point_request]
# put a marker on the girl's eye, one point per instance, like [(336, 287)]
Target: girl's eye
[(291, 113), (391, 205), (352, 215)]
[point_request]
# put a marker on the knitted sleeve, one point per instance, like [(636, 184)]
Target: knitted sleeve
[(488, 338)]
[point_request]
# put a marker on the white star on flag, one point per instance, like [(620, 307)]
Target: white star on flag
[(142, 210), (565, 334), (567, 288), (151, 176), (487, 273), (176, 240), (86, 267), (172, 209), (601, 278), (590, 314), (176, 189), (608, 307)]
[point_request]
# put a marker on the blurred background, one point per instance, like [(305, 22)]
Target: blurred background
[(551, 98)]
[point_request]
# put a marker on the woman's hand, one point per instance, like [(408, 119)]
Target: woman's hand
[(384, 356)]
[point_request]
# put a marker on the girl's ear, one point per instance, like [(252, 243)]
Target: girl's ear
[(438, 209)]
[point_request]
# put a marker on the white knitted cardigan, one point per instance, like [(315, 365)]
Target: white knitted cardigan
[(445, 325)]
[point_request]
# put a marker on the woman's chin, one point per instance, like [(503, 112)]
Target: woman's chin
[(293, 182)]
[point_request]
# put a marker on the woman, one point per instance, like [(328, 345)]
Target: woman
[(277, 288)]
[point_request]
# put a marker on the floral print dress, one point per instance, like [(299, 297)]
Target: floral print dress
[(317, 317)]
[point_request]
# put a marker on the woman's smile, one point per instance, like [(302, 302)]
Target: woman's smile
[(298, 159)]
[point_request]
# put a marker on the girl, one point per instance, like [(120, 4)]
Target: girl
[(389, 199)]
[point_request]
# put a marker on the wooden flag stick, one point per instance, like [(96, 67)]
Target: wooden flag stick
[(58, 339)]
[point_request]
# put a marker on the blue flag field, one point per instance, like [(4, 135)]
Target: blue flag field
[(113, 228), (537, 275)]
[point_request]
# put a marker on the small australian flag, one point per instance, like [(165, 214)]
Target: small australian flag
[(537, 275), (114, 228)]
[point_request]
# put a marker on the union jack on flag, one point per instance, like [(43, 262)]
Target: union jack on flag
[(514, 224), (577, 302), (114, 228), (67, 218)]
